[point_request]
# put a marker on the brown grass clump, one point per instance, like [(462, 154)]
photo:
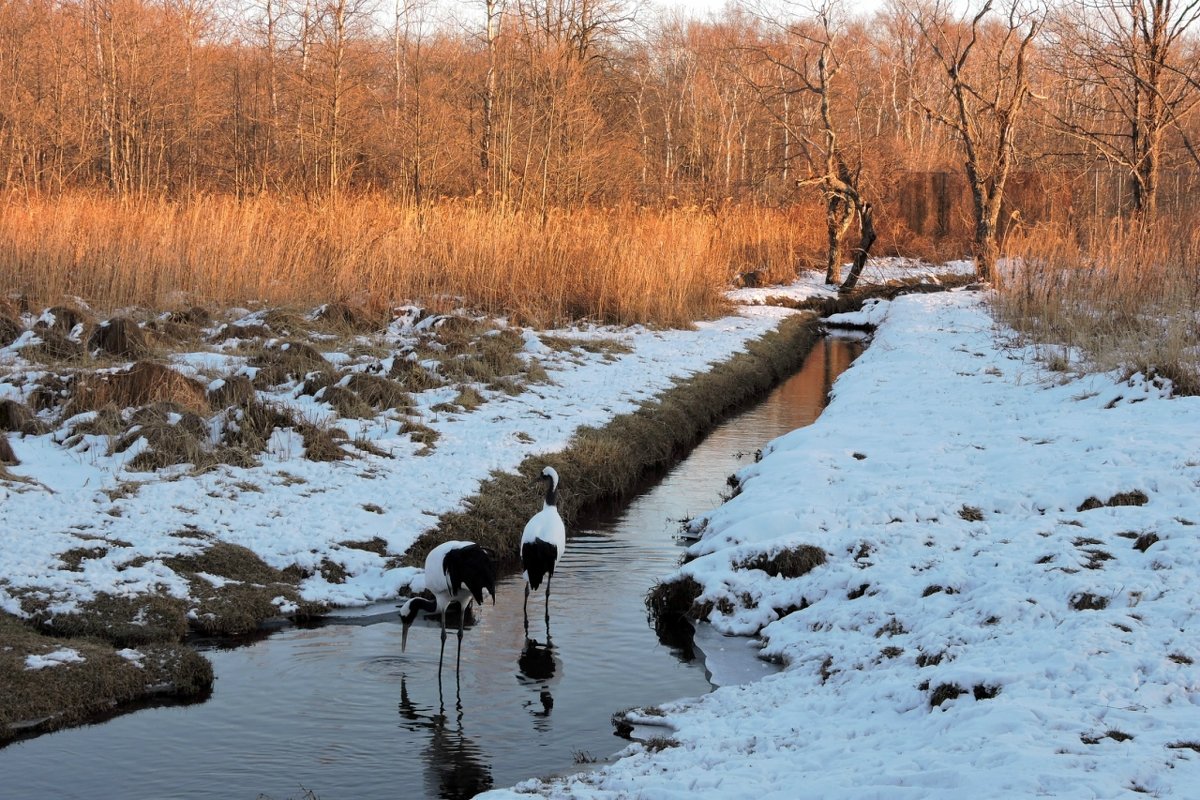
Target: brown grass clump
[(35, 701), (286, 361), (380, 393), (235, 331), (943, 692), (791, 562), (142, 384), (246, 431), (421, 434), (1134, 498), (173, 436), (7, 456), (120, 337), (50, 391), (10, 330), (676, 600), (190, 316), (235, 390), (1145, 541), (343, 318), (414, 377), (123, 621), (18, 418), (106, 421), (63, 319), (1123, 294), (52, 347), (1086, 601), (242, 605), (345, 402), (475, 352)]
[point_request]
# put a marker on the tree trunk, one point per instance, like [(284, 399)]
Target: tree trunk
[(839, 213), (867, 236)]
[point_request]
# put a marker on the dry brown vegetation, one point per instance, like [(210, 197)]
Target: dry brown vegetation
[(613, 265), (1125, 298), (45, 699)]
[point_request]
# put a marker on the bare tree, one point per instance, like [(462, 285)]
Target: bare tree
[(495, 11), (810, 62), (1129, 82), (984, 65)]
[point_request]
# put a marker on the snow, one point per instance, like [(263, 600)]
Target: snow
[(64, 655), (949, 484), (293, 511), (945, 483), (132, 656)]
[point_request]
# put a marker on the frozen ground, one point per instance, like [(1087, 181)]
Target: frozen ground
[(997, 615)]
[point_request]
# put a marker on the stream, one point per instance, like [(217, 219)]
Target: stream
[(336, 711)]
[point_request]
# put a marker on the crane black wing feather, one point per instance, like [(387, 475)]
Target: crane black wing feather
[(538, 558), (471, 566)]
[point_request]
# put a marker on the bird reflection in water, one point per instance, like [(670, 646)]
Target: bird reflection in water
[(538, 668), (456, 767)]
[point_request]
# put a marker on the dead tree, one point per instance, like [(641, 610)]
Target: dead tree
[(817, 63), (1130, 81), (987, 83)]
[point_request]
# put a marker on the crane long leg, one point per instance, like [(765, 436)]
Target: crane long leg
[(548, 577), (525, 609), (462, 615), (442, 654)]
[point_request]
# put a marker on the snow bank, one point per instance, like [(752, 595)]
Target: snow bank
[(996, 617)]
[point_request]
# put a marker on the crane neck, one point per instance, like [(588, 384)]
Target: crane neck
[(551, 494)]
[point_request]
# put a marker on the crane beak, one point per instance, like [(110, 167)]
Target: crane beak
[(404, 636)]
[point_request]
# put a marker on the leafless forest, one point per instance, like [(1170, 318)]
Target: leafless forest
[(278, 149)]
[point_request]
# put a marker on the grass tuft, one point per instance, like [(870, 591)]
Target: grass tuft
[(791, 562), (142, 384)]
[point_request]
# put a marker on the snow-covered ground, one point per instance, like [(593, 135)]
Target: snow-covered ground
[(991, 620), (979, 628), (294, 511)]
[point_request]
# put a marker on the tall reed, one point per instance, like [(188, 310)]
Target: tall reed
[(1125, 296), (666, 267)]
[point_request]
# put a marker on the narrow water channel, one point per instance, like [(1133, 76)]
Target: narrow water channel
[(338, 711)]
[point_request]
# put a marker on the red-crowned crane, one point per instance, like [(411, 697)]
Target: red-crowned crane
[(543, 543), (455, 572)]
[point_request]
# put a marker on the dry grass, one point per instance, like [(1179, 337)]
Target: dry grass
[(241, 605), (120, 337), (626, 264), (142, 384), (35, 701), (7, 456), (787, 563), (1125, 297)]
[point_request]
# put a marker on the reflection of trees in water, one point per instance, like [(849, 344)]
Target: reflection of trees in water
[(455, 766), (538, 668)]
